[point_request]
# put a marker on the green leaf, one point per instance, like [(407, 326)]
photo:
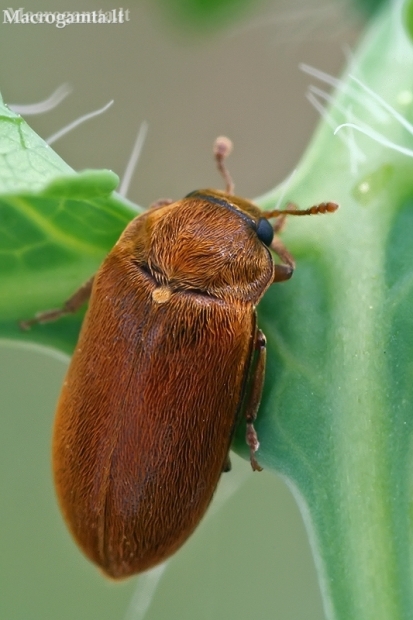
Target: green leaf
[(56, 227), (337, 413), (408, 17), (27, 163)]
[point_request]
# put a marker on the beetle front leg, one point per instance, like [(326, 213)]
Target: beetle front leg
[(254, 399), (70, 306), (285, 270)]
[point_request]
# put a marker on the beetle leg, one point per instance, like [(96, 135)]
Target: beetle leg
[(227, 465), (70, 306), (279, 248), (254, 399), (285, 270)]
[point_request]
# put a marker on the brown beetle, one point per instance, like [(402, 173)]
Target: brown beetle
[(168, 359)]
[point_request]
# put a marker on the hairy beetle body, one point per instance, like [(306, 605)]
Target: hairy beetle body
[(149, 405)]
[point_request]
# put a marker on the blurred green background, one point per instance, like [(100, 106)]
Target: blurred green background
[(250, 557)]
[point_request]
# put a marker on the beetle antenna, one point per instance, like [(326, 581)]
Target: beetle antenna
[(222, 148), (323, 207)]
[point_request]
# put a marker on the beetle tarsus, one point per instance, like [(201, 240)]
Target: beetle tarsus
[(70, 306), (254, 444), (227, 465)]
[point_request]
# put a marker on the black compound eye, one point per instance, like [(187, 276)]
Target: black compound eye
[(265, 232)]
